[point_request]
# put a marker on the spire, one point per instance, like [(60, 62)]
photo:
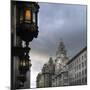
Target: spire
[(38, 76), (50, 60), (61, 48)]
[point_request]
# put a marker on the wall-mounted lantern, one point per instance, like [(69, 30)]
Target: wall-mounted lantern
[(27, 14)]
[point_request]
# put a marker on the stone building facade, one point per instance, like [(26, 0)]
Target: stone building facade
[(77, 68), (44, 79), (64, 71), (61, 75)]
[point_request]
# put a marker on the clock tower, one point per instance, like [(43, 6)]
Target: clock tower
[(61, 57)]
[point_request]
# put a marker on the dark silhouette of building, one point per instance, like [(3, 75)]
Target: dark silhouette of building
[(16, 42)]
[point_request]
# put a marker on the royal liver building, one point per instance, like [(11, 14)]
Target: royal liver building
[(60, 77), (64, 71)]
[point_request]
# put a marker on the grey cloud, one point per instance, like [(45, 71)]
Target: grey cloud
[(58, 21)]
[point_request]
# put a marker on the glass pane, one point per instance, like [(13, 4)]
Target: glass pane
[(28, 15), (21, 19), (34, 17)]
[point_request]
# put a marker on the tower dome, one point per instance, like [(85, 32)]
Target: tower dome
[(61, 50)]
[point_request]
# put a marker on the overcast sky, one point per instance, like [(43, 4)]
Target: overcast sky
[(56, 22)]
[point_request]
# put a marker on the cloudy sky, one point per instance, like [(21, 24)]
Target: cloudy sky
[(56, 22)]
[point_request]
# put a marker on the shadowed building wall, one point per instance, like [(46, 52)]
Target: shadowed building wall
[(16, 42)]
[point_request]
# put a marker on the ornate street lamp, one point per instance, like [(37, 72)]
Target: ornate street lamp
[(27, 27), (27, 30)]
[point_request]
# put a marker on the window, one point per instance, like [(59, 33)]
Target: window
[(75, 76), (85, 55), (82, 64), (85, 79), (85, 71), (85, 63), (79, 74), (79, 59), (75, 69), (75, 82), (82, 80), (79, 81), (75, 63), (82, 57), (82, 72), (79, 66)]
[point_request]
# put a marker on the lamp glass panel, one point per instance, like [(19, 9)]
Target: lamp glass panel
[(28, 15), (21, 19), (20, 16), (24, 63), (34, 17)]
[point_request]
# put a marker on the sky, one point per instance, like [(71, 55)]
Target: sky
[(56, 22)]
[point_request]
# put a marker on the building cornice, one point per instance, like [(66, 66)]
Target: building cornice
[(77, 55)]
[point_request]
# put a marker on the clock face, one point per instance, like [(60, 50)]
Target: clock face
[(58, 64), (62, 55), (59, 60)]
